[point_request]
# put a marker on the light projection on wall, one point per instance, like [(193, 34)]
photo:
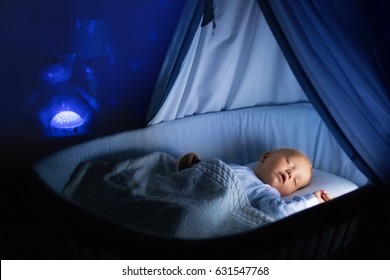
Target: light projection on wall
[(89, 40)]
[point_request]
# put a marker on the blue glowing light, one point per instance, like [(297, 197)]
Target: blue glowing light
[(66, 120)]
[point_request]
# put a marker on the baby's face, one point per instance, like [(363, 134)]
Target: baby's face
[(285, 170)]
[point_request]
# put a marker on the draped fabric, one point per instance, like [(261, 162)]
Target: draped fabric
[(187, 26), (233, 62), (331, 44)]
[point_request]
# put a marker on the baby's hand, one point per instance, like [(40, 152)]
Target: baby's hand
[(322, 196), (188, 160)]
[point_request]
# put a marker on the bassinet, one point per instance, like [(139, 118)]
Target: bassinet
[(234, 136)]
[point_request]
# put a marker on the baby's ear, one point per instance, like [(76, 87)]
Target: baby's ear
[(264, 157)]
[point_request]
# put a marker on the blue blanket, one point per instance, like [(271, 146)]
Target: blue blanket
[(150, 194)]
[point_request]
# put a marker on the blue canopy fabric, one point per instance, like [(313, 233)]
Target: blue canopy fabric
[(186, 28), (233, 61), (330, 46)]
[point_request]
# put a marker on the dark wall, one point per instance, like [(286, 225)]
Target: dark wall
[(33, 33), (376, 13)]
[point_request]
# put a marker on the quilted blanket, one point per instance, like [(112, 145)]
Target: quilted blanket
[(151, 194)]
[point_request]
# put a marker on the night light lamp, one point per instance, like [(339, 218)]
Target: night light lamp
[(66, 120), (62, 107)]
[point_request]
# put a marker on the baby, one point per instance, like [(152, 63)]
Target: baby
[(280, 172)]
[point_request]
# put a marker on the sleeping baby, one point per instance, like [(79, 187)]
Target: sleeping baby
[(280, 172)]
